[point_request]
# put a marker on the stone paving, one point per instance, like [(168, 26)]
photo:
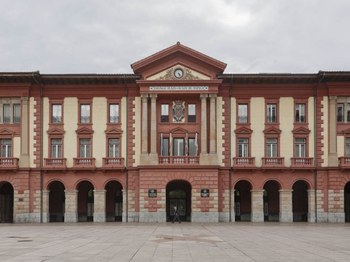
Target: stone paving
[(175, 242)]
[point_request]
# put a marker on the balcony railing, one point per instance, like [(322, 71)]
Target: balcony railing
[(8, 163), (302, 162), (344, 162), (88, 163), (179, 160), (244, 162), (110, 162), (272, 162), (55, 163)]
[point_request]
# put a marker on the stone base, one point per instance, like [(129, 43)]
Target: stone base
[(132, 217), (205, 217), (322, 217), (28, 218), (336, 217), (70, 217), (224, 217), (257, 217), (152, 217), (99, 217), (286, 217), (311, 217)]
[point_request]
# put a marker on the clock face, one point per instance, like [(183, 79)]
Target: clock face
[(178, 73)]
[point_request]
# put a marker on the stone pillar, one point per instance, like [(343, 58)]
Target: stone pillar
[(204, 153), (124, 207), (144, 128), (332, 154), (257, 205), (99, 205), (153, 156), (286, 205), (24, 159), (71, 206), (45, 211), (311, 204), (233, 213), (212, 144)]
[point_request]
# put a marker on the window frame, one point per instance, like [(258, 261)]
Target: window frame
[(10, 145), (52, 146), (80, 116), (297, 148), (89, 144), (113, 103), (191, 118), (238, 113), (118, 147), (164, 118), (297, 109), (246, 147), (277, 146), (268, 117)]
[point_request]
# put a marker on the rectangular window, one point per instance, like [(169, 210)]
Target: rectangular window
[(178, 147), (242, 113), (6, 113), (271, 113), (348, 113), (16, 113), (85, 114), (300, 113), (164, 113), (300, 147), (340, 112), (6, 147), (191, 113), (192, 147), (56, 114), (56, 148), (271, 147), (113, 113), (165, 147), (85, 148), (243, 145), (114, 147), (347, 147)]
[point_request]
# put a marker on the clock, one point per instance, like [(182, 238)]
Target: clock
[(178, 73)]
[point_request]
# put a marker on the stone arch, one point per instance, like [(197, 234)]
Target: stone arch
[(114, 200), (57, 201), (6, 202), (179, 194), (271, 200), (347, 201), (85, 201), (300, 201), (243, 200)]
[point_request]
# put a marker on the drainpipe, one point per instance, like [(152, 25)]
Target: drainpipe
[(126, 156)]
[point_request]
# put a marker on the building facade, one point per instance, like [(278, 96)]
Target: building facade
[(178, 132)]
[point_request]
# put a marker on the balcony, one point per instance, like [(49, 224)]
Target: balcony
[(302, 162), (112, 162), (8, 163), (179, 160), (84, 163), (272, 162), (344, 162), (244, 162), (55, 163)]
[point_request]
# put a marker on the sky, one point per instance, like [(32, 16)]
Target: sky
[(107, 36)]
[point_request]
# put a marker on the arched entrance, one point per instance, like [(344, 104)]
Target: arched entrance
[(56, 202), (271, 201), (114, 201), (85, 201), (347, 202), (243, 201), (6, 202), (300, 201), (178, 193)]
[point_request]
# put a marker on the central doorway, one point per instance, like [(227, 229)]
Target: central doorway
[(178, 193)]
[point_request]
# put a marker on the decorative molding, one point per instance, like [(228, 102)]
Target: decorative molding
[(169, 74), (84, 131)]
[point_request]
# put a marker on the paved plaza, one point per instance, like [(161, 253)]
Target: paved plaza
[(175, 242)]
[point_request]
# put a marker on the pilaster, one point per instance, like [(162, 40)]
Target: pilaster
[(332, 154), (257, 205), (99, 205), (71, 206), (286, 204)]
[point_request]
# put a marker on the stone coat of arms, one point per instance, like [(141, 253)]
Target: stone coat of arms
[(178, 111)]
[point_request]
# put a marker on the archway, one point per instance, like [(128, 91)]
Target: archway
[(300, 201), (243, 201), (6, 202), (347, 202), (114, 201), (178, 193), (85, 201), (56, 202), (271, 201)]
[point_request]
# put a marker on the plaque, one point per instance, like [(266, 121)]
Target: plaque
[(205, 192), (152, 193)]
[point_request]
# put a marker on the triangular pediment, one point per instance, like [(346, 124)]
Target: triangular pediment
[(170, 74), (272, 130), (113, 131), (346, 131), (84, 131), (6, 132), (55, 131), (178, 130), (301, 130), (243, 130)]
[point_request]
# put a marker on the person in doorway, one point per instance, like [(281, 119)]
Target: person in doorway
[(176, 215)]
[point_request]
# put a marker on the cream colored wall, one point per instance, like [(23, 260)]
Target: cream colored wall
[(324, 118), (32, 134), (46, 121), (99, 120), (233, 128), (137, 130), (220, 126), (311, 119), (70, 112), (340, 146), (16, 147), (163, 73), (257, 106), (123, 119), (286, 117)]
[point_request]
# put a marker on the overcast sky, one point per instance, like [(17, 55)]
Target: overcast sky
[(106, 36)]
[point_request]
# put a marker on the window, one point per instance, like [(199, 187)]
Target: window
[(300, 147), (271, 147), (6, 113), (16, 113), (164, 146), (56, 148), (191, 113), (243, 113), (348, 113), (340, 112), (114, 147), (113, 113), (271, 113), (85, 148), (56, 114), (164, 115), (6, 147), (178, 147), (85, 114), (192, 147), (347, 146), (243, 145), (300, 113)]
